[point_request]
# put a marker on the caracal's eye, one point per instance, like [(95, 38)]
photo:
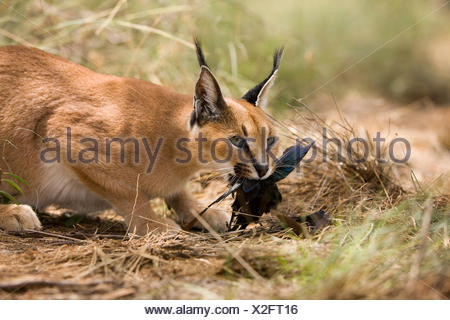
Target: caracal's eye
[(271, 141), (237, 141)]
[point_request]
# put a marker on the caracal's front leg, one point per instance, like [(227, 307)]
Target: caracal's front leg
[(185, 204), (140, 217)]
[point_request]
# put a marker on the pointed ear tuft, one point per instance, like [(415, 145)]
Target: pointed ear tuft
[(209, 104), (258, 94), (200, 56)]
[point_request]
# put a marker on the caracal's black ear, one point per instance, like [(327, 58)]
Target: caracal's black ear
[(258, 95), (209, 104)]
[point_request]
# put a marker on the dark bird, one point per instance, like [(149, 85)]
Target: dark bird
[(253, 198)]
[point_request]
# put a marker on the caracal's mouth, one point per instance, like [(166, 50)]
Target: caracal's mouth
[(242, 170)]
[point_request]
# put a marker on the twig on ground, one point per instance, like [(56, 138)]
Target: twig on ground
[(32, 281), (56, 235)]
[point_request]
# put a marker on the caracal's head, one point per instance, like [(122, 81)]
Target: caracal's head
[(239, 139)]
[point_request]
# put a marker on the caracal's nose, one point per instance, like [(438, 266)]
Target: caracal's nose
[(261, 169)]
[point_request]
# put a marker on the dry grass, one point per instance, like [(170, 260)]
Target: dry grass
[(85, 262)]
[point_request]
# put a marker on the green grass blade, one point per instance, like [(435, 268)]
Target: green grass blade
[(19, 179), (12, 184), (8, 196), (145, 28)]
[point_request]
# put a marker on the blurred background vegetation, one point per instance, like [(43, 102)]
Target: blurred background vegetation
[(397, 49)]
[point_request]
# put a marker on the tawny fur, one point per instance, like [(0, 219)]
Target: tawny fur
[(41, 95)]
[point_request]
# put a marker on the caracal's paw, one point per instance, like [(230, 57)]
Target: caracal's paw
[(18, 218), (162, 226), (218, 219)]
